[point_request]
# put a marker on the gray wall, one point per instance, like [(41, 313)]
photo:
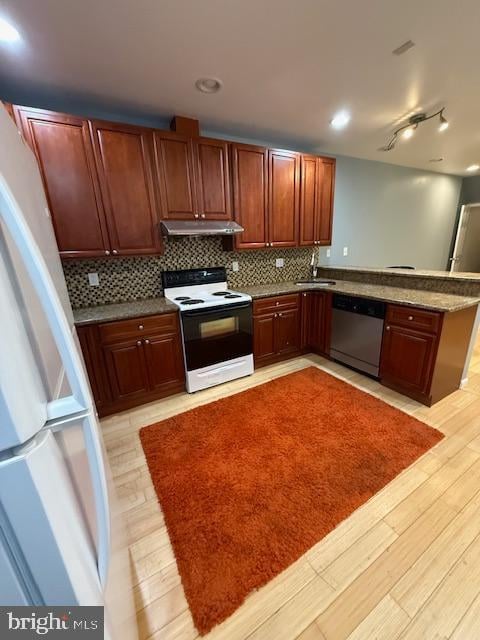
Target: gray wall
[(384, 214), (389, 215), (470, 192)]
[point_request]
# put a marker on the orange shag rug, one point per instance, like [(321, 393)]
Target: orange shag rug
[(250, 482)]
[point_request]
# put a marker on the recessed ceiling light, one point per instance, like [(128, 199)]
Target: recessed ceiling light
[(473, 167), (8, 33), (208, 85), (340, 120)]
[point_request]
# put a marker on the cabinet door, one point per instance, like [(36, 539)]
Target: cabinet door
[(284, 192), (212, 179), (94, 364), (164, 361), (325, 201), (250, 194), (65, 156), (263, 337), (127, 370), (124, 157), (174, 160), (309, 173), (317, 325), (407, 358), (287, 332)]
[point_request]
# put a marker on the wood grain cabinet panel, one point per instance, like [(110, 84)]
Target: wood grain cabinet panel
[(250, 195), (124, 158), (263, 338), (309, 180), (325, 201), (212, 179), (407, 358), (284, 195), (164, 361), (127, 370), (64, 153), (287, 332), (174, 161)]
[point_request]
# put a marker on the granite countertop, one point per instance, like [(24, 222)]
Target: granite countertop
[(123, 311), (431, 300), (464, 276), (412, 297)]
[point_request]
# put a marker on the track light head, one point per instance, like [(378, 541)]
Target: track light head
[(407, 130), (443, 122)]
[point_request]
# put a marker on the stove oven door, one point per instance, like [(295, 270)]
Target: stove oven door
[(216, 335)]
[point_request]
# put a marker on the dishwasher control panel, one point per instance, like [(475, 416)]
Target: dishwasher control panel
[(362, 306)]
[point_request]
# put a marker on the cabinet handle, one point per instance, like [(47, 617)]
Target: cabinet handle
[(280, 315), (275, 315), (277, 303), (387, 328), (410, 317), (304, 295), (115, 251), (202, 215), (139, 343), (147, 341), (195, 215), (107, 253), (140, 327)]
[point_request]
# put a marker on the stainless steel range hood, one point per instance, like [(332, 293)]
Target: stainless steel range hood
[(200, 227)]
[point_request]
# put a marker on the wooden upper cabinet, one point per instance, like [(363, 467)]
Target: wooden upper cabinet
[(124, 156), (212, 179), (174, 163), (316, 200), (64, 152), (250, 195), (325, 201), (284, 195), (310, 170)]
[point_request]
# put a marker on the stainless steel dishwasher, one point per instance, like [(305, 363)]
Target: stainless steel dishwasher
[(357, 330)]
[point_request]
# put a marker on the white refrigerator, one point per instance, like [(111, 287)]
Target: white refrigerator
[(61, 539)]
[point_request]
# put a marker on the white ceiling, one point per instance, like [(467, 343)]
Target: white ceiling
[(287, 67)]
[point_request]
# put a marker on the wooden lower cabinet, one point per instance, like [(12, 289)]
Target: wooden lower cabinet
[(407, 359), (286, 325), (424, 352), (316, 321), (133, 362), (276, 328)]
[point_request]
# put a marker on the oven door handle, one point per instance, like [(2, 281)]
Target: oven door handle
[(209, 312)]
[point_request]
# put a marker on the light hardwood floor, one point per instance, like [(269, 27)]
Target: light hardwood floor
[(405, 565)]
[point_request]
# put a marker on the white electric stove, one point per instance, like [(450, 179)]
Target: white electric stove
[(216, 326)]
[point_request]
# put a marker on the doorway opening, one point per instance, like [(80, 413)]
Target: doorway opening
[(466, 252)]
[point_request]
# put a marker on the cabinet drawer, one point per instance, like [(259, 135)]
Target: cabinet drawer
[(143, 326), (414, 318), (276, 303)]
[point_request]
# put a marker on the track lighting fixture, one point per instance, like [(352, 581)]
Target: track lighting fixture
[(407, 130)]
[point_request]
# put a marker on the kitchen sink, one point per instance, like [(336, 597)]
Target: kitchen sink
[(317, 282)]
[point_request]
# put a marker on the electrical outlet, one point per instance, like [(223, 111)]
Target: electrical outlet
[(327, 253), (235, 266), (93, 279), (279, 262), (345, 251)]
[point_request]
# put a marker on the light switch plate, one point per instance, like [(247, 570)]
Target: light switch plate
[(235, 266), (279, 262), (93, 280), (328, 252), (345, 251)]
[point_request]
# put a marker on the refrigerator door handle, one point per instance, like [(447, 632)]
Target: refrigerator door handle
[(80, 400)]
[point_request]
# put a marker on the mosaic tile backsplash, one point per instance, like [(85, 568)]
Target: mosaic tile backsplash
[(125, 279)]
